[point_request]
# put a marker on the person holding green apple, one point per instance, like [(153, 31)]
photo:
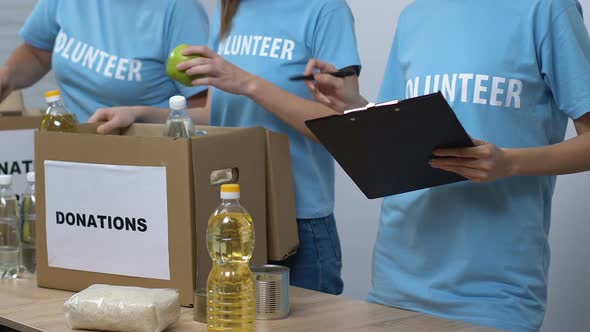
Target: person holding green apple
[(254, 47), (102, 57)]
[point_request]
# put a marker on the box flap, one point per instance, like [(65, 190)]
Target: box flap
[(143, 130), (90, 128), (14, 104), (156, 130), (282, 235), (20, 122)]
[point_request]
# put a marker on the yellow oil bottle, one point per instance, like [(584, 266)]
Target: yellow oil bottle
[(57, 117), (231, 290)]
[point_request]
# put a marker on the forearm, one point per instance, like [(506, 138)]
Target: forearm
[(200, 115), (147, 114), (290, 108), (568, 157), (27, 65), (199, 108)]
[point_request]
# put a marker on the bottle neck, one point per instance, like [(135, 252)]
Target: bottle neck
[(227, 201), (54, 103), (6, 191), (178, 113), (30, 189)]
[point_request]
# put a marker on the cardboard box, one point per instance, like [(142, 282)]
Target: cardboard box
[(282, 235), (17, 141), (13, 105), (190, 199)]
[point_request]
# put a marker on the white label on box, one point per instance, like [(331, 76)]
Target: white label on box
[(107, 219), (17, 152)]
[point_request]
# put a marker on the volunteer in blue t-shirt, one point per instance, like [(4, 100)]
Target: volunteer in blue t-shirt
[(514, 72), (106, 53), (255, 46)]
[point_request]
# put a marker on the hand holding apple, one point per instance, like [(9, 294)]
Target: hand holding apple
[(213, 70), (176, 57)]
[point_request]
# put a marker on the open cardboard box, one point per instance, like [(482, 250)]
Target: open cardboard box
[(264, 167)]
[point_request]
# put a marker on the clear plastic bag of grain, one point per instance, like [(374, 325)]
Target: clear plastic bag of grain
[(125, 309)]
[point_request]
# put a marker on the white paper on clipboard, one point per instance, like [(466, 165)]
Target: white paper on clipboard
[(371, 105)]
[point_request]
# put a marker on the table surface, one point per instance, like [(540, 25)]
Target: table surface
[(25, 307)]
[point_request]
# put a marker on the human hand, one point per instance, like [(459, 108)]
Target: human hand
[(482, 163), (340, 94), (216, 71), (115, 118)]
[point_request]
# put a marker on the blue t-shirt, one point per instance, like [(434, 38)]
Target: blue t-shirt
[(113, 53), (513, 71), (274, 40)]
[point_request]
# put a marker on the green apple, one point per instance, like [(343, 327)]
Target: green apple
[(174, 59)]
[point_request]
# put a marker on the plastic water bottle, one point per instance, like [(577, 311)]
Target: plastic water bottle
[(179, 123), (57, 117), (28, 224), (231, 289), (9, 230)]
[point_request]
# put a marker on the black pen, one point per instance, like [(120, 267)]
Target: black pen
[(340, 73)]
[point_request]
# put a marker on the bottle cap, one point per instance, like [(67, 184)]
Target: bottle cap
[(230, 191), (5, 180), (31, 177), (52, 96), (177, 102)]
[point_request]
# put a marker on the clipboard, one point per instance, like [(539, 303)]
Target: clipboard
[(386, 149)]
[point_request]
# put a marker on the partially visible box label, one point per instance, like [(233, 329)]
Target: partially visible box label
[(17, 154), (107, 219)]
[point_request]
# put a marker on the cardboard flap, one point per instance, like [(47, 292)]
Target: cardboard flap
[(283, 238), (241, 148), (20, 122), (90, 128), (143, 130), (14, 104), (156, 130)]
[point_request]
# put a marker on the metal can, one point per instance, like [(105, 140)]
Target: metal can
[(272, 291), (200, 305)]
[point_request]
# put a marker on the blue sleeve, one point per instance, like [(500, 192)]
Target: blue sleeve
[(41, 27), (392, 87), (334, 39), (564, 56), (187, 24)]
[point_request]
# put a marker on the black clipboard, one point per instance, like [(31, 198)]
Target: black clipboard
[(386, 149)]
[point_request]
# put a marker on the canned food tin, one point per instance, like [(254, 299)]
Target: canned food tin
[(272, 291), (200, 305)]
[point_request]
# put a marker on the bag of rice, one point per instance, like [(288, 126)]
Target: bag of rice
[(125, 309)]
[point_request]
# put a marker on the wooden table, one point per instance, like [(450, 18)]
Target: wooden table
[(27, 308)]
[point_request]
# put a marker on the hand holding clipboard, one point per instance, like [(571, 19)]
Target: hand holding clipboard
[(386, 148)]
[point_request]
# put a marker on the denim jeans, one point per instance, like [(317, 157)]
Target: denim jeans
[(318, 262)]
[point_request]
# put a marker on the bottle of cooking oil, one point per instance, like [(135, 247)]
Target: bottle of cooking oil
[(9, 230), (57, 117), (28, 221), (231, 291), (179, 123)]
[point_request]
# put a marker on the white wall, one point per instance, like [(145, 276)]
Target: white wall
[(569, 284)]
